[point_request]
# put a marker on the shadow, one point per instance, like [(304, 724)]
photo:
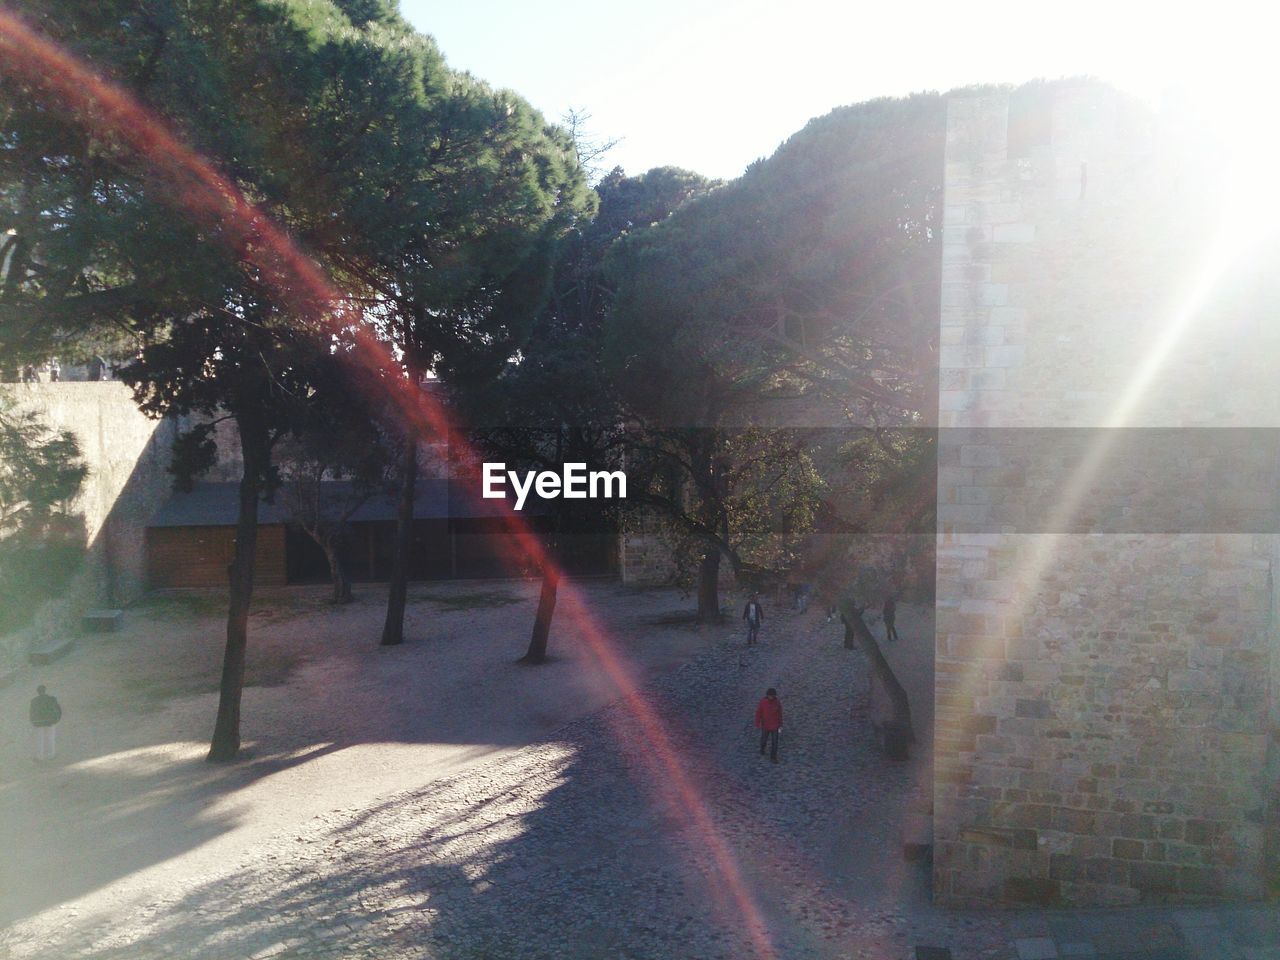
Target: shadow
[(343, 721), (568, 848), (115, 835)]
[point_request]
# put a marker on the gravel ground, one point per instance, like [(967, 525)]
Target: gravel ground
[(457, 838)]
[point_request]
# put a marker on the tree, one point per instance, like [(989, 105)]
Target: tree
[(349, 130), (800, 294), (556, 406), (336, 459), (325, 485), (876, 537), (694, 377), (41, 542), (453, 290)]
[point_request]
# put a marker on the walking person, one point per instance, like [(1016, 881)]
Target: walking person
[(890, 613), (753, 613), (45, 714), (769, 722)]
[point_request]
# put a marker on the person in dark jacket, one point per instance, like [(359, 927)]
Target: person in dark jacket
[(753, 613), (45, 714), (890, 615), (769, 722)]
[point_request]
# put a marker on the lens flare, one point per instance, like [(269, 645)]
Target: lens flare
[(304, 290)]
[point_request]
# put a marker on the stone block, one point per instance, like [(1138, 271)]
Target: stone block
[(1034, 891), (1138, 826), (1013, 233), (1008, 316), (1106, 870), (1065, 866), (1075, 821), (1127, 849), (1155, 877), (1200, 832), (994, 294), (1205, 881), (1004, 356)]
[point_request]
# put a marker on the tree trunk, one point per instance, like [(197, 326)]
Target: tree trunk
[(537, 652), (709, 587), (337, 572), (226, 729), (393, 629), (856, 629)]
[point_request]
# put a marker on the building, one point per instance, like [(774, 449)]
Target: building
[(1107, 659), (141, 534), (457, 535)]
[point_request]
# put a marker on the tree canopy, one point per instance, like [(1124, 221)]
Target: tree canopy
[(799, 295), (432, 201)]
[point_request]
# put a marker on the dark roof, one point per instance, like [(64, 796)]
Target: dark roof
[(217, 504)]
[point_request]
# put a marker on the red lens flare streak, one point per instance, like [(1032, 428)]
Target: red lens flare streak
[(304, 289)]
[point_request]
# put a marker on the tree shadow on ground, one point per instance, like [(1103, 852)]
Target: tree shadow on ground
[(130, 790), (451, 871), (114, 834), (562, 851)]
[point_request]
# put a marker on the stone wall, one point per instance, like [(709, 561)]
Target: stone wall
[(128, 456), (1105, 632)]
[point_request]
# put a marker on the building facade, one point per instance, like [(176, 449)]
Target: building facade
[(1106, 712)]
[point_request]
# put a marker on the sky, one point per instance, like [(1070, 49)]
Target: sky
[(711, 85)]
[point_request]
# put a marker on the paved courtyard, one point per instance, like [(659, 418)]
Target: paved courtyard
[(437, 801)]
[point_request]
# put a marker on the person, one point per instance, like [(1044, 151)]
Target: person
[(55, 370), (890, 614), (769, 722), (753, 613), (45, 714)]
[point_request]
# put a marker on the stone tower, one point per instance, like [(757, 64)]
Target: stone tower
[(1107, 506)]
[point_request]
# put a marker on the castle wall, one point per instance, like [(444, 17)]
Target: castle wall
[(1107, 511)]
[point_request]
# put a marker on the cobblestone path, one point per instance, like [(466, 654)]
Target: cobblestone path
[(572, 849)]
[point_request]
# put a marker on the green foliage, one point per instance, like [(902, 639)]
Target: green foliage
[(876, 517), (41, 541), (807, 286), (818, 266), (432, 200), (556, 404)]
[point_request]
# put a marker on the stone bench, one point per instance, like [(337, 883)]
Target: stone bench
[(102, 621), (50, 651)]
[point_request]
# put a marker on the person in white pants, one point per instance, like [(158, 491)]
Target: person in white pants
[(45, 714)]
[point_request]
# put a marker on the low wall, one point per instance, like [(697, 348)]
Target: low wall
[(128, 457)]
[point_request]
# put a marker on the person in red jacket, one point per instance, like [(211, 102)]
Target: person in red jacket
[(769, 721)]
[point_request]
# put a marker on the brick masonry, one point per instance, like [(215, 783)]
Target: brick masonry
[(1106, 644)]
